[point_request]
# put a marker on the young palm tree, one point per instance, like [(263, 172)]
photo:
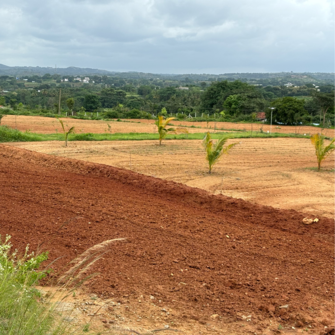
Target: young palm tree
[(161, 125), (66, 133), (215, 150), (320, 150)]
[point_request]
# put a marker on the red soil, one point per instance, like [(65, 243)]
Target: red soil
[(198, 253)]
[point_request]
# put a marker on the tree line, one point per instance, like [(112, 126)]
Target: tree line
[(143, 98)]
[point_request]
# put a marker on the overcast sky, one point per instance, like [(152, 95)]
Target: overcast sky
[(170, 36)]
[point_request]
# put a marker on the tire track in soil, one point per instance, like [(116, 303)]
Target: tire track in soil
[(198, 253)]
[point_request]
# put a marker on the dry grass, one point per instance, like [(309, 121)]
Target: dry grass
[(85, 260)]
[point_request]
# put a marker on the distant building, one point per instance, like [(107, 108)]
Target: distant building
[(183, 88), (77, 79), (288, 85), (65, 79), (260, 116)]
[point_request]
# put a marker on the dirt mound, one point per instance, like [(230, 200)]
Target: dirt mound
[(202, 254)]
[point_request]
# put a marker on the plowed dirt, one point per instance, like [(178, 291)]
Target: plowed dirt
[(46, 125), (214, 261), (277, 172)]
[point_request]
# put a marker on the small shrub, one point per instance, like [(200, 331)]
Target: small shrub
[(322, 151), (20, 312), (161, 127), (215, 150)]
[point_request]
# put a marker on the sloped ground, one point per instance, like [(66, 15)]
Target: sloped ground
[(199, 255), (277, 172)]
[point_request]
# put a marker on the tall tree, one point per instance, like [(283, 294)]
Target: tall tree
[(70, 104), (325, 102), (287, 110), (91, 102)]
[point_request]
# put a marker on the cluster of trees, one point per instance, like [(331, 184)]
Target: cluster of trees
[(145, 97)]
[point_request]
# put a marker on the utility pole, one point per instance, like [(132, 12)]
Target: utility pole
[(272, 108), (60, 95)]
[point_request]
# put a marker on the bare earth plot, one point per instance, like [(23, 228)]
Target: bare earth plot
[(192, 261), (275, 172), (45, 125)]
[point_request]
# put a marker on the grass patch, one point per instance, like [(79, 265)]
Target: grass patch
[(20, 311), (12, 135)]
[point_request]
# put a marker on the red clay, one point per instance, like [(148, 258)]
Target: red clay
[(199, 253)]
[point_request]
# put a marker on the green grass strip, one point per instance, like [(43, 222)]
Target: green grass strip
[(12, 135)]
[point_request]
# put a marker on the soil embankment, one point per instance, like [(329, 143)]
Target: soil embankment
[(197, 253)]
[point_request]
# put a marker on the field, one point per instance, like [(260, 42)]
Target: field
[(45, 125), (226, 253), (277, 172)]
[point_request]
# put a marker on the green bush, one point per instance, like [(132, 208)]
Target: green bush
[(111, 114), (20, 311)]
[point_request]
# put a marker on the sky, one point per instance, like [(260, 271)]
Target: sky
[(170, 36)]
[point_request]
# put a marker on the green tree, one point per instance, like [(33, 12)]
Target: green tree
[(322, 151), (13, 103), (70, 103), (287, 110), (216, 94), (110, 97), (163, 112), (215, 150), (325, 102), (91, 102), (2, 101), (233, 104)]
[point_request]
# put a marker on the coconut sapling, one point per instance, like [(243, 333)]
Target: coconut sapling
[(215, 150), (66, 133), (322, 151), (162, 127)]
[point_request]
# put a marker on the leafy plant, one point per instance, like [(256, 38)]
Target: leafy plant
[(20, 310), (66, 133), (215, 150), (162, 127), (322, 151)]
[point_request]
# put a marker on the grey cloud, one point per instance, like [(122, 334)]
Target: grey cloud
[(170, 35)]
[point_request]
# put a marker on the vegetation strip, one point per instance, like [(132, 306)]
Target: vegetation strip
[(12, 135)]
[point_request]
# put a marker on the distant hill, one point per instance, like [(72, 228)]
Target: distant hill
[(37, 70), (20, 71)]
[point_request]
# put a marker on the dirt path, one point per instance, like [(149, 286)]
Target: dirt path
[(214, 262), (275, 172)]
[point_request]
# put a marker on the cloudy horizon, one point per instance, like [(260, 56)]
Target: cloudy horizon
[(170, 36)]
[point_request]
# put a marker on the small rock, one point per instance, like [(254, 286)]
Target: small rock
[(166, 326), (152, 297), (284, 306), (214, 316)]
